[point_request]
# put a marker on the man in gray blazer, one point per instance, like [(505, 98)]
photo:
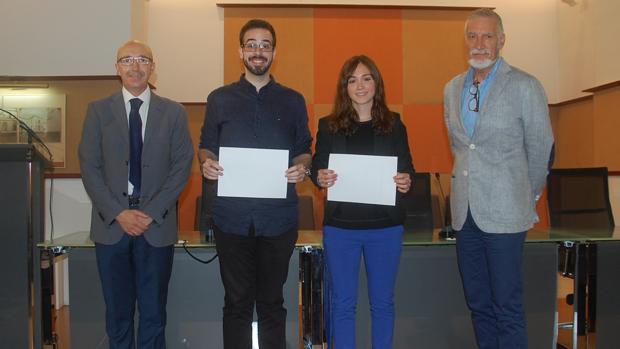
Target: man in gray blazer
[(135, 157), (500, 134)]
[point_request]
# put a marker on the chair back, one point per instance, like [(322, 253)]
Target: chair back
[(417, 203), (579, 198)]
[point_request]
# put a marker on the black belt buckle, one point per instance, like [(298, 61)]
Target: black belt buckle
[(134, 201)]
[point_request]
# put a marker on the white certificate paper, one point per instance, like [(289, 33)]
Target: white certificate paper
[(366, 179), (253, 173)]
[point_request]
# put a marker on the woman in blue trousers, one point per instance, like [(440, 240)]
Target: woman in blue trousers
[(361, 123)]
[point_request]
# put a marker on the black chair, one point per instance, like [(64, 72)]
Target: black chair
[(579, 199), (418, 204), (203, 220)]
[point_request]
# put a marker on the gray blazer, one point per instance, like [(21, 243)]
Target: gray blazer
[(166, 163), (500, 170)]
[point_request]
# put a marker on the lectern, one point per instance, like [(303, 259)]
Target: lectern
[(21, 228)]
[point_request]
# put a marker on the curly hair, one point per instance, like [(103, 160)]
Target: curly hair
[(344, 118)]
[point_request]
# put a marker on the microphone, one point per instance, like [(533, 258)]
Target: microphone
[(446, 231), (31, 133)]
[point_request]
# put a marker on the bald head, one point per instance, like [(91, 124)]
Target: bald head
[(134, 65), (121, 52)]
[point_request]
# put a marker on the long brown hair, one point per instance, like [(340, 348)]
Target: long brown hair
[(344, 118)]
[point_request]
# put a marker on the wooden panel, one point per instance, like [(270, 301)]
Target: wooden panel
[(79, 94), (574, 132), (606, 123)]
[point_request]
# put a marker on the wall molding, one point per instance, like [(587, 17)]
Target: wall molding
[(18, 79), (378, 4), (571, 101), (603, 87)]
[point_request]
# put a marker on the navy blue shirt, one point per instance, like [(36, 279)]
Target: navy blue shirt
[(274, 118)]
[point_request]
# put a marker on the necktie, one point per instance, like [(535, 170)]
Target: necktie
[(135, 146)]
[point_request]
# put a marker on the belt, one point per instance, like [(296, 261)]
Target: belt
[(134, 201)]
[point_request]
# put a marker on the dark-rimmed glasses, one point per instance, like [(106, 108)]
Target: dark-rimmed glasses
[(253, 46), (474, 100), (129, 60)]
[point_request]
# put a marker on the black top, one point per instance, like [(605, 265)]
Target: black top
[(274, 118), (363, 142)]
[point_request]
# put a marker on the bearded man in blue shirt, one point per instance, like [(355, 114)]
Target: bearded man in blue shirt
[(255, 237)]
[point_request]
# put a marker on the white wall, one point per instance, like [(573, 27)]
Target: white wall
[(71, 207), (63, 37)]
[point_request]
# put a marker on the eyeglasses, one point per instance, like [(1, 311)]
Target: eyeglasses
[(474, 100), (253, 46), (127, 61)]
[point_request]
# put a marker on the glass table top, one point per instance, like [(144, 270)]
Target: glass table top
[(313, 238)]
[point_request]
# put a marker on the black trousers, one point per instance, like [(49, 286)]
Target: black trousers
[(254, 270)]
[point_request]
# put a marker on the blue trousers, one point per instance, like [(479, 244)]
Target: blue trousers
[(381, 249), (134, 271), (491, 271)]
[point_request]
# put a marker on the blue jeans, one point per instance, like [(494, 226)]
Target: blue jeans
[(381, 250), (491, 271)]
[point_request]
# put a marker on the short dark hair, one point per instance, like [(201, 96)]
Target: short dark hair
[(257, 24)]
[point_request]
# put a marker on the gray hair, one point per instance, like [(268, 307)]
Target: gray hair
[(486, 13)]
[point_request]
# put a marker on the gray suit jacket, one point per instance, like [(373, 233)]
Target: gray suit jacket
[(166, 163), (499, 170)]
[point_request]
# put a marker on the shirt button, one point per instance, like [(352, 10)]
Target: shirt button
[(465, 173), (472, 146)]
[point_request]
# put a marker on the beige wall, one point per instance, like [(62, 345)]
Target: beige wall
[(187, 37), (588, 45), (568, 47)]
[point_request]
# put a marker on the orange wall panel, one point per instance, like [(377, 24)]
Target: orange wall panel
[(433, 52), (293, 64), (187, 202), (428, 138), (340, 33)]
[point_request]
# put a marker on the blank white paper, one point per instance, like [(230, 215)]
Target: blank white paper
[(253, 173), (366, 179)]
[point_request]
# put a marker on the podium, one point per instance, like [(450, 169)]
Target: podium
[(21, 228)]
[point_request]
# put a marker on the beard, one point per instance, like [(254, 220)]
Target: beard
[(480, 64), (257, 70), (483, 64)]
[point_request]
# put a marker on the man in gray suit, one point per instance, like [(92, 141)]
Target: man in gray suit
[(500, 134), (135, 157)]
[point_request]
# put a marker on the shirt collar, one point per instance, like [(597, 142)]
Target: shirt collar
[(145, 96), (246, 84)]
